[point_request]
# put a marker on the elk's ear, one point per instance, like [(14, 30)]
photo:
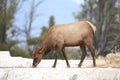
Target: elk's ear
[(40, 51)]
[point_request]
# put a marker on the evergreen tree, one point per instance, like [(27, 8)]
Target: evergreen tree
[(8, 8), (45, 29), (51, 21), (7, 11)]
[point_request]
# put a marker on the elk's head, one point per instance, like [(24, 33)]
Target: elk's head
[(37, 55)]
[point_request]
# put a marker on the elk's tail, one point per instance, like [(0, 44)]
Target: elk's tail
[(92, 26)]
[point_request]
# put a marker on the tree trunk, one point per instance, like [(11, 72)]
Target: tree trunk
[(4, 22), (106, 9)]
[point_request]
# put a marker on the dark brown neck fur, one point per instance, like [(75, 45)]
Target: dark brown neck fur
[(47, 46)]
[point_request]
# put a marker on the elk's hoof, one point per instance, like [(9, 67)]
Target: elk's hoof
[(68, 66), (79, 66), (53, 66), (33, 66), (94, 65)]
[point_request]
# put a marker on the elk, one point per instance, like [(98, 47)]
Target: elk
[(65, 35)]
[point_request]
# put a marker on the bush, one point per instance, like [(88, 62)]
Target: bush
[(4, 47), (19, 52)]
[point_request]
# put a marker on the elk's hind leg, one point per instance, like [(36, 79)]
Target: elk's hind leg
[(90, 47), (93, 54), (82, 47)]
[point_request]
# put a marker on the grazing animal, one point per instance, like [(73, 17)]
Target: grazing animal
[(65, 35)]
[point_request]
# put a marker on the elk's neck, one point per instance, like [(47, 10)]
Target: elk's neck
[(47, 46)]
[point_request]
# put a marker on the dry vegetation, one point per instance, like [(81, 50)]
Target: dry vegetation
[(110, 60)]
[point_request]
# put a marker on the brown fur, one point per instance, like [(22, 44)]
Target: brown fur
[(65, 35)]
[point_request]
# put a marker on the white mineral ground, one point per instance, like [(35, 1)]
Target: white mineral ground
[(18, 68)]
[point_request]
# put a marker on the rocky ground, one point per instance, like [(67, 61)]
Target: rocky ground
[(18, 68)]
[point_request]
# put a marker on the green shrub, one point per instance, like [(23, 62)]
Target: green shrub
[(4, 47), (19, 52)]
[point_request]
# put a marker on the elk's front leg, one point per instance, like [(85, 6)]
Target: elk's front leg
[(56, 56), (58, 48), (64, 54)]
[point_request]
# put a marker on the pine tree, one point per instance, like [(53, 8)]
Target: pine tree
[(7, 11)]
